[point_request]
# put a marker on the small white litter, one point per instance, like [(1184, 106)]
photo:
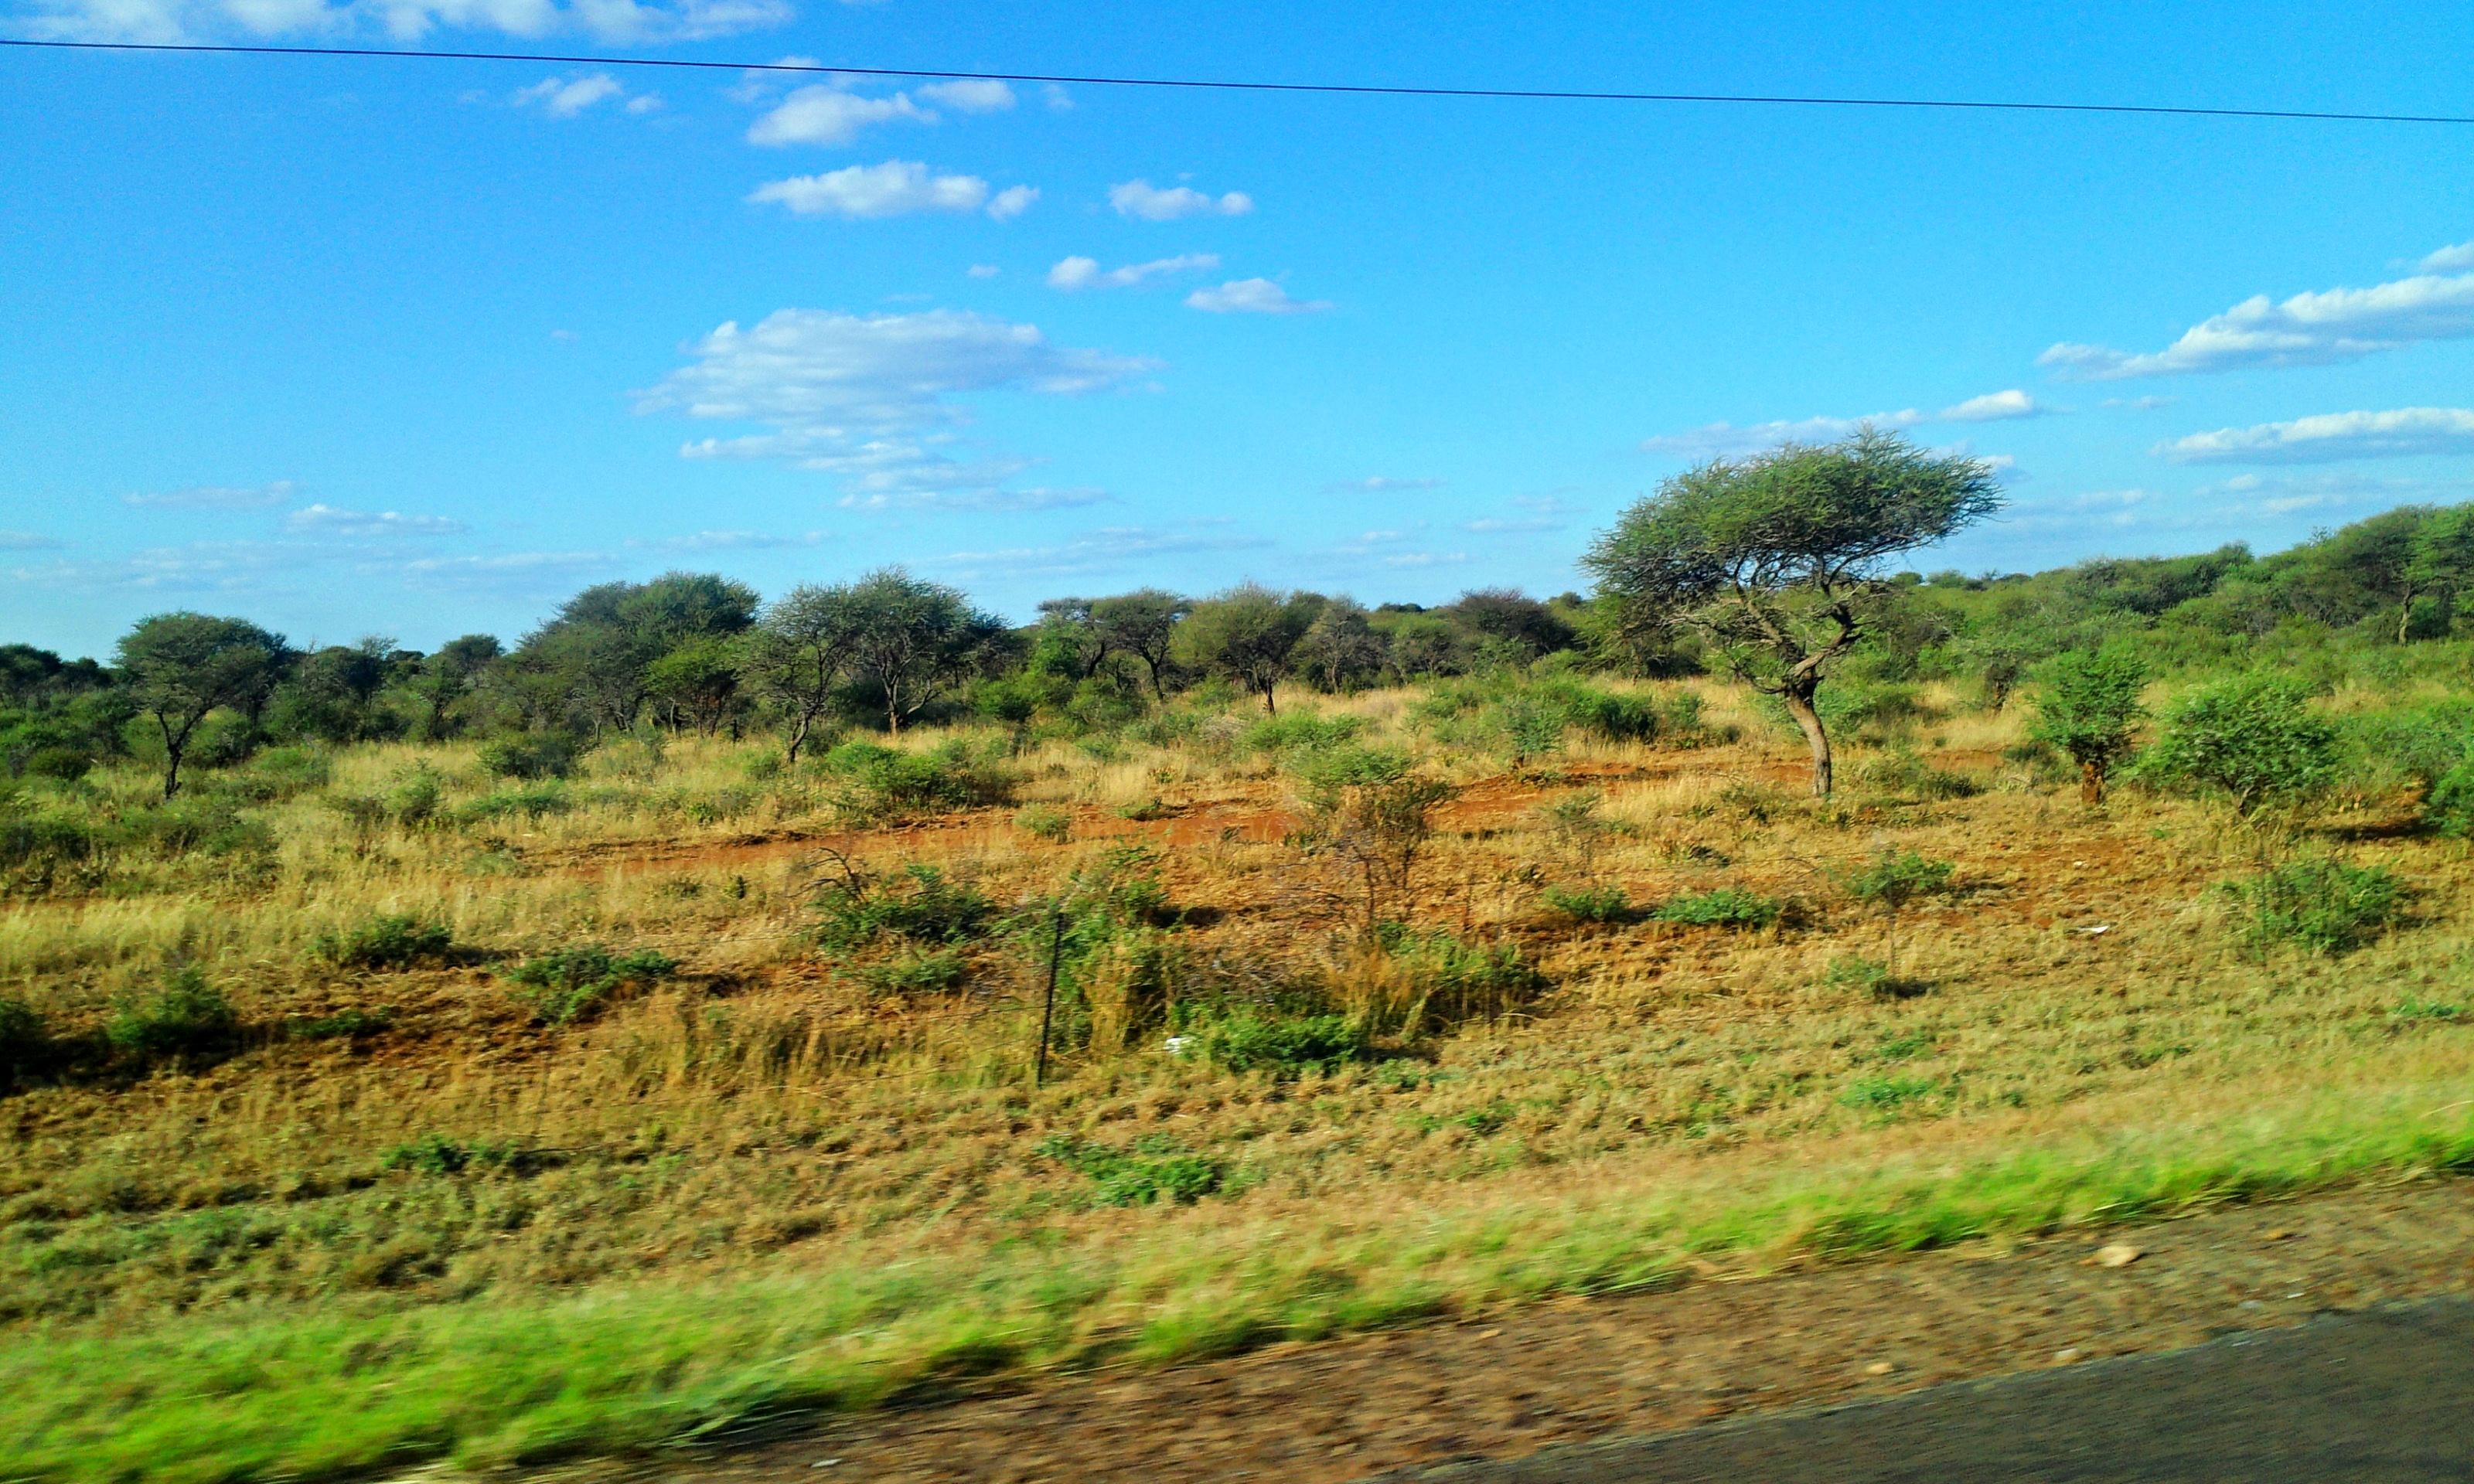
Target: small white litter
[(1178, 1045)]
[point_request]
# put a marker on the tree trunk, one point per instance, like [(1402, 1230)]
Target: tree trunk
[(2404, 618), (1268, 705), (798, 739), (1799, 705), (2091, 783), (174, 745)]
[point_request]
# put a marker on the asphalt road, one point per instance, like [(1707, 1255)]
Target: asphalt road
[(2382, 1397)]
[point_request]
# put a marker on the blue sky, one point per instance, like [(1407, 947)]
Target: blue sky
[(419, 347)]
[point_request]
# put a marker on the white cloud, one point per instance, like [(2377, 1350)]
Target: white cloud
[(1418, 559), (1107, 548), (1083, 272), (1992, 407), (1725, 440), (1012, 202), (2282, 494), (27, 540), (1153, 203), (728, 541), (1380, 484), (644, 102), (1499, 526), (200, 567), (870, 399), (1057, 99), (2402, 433), (823, 113), (568, 97), (2449, 259), (898, 187), (518, 571), (328, 522), (1252, 296), (983, 271), (404, 21), (2307, 329), (218, 497), (970, 95)]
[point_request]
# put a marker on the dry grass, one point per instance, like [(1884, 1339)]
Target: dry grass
[(769, 1117)]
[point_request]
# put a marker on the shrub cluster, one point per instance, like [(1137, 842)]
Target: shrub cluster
[(2321, 905), (571, 984), (389, 940), (1155, 1168)]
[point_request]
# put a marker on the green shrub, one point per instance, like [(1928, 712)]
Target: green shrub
[(530, 802), (60, 763), (414, 800), (916, 971), (569, 984), (1285, 1046), (2088, 708), (25, 1041), (181, 1014), (41, 846), (1591, 903), (1043, 823), (347, 1024), (2323, 904), (1727, 906), (2415, 1008), (922, 904), (885, 783), (385, 942), (281, 773), (532, 755), (1155, 1169), (1888, 1094), (2449, 807), (1300, 731), (2253, 741)]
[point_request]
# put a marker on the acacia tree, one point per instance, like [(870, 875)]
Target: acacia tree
[(1247, 635), (799, 655), (912, 640), (181, 667), (1142, 624), (1776, 559)]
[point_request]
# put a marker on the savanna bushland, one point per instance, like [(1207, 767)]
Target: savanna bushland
[(604, 1039)]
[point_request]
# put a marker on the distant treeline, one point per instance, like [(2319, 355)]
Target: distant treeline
[(703, 653)]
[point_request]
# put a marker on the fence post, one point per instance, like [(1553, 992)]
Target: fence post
[(1048, 1004)]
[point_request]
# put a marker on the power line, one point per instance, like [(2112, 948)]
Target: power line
[(1223, 84)]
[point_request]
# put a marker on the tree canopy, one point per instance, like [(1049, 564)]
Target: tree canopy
[(182, 666), (1775, 559)]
